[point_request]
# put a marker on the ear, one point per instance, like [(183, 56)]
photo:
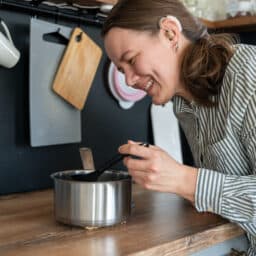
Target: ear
[(170, 34), (171, 25), (170, 28)]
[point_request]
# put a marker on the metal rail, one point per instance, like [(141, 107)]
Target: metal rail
[(36, 7)]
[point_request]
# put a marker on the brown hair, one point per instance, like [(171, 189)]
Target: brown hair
[(205, 60)]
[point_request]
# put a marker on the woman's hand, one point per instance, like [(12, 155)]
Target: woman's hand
[(156, 170)]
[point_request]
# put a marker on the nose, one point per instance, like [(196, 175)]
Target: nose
[(131, 78)]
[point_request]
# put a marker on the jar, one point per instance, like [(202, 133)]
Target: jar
[(237, 8), (212, 10)]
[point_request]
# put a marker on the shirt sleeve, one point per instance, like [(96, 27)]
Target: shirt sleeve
[(232, 196)]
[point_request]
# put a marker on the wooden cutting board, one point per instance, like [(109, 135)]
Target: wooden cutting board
[(77, 69)]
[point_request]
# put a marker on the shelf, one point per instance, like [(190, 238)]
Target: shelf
[(107, 1), (86, 2), (237, 23), (36, 7)]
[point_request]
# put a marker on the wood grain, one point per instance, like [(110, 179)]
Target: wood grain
[(236, 23), (77, 69), (193, 243), (161, 224)]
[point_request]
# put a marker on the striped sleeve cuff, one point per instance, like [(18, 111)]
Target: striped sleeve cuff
[(208, 194)]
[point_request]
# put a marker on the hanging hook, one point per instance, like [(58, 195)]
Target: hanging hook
[(57, 15), (33, 14), (79, 15)]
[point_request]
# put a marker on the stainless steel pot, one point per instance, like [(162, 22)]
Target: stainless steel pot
[(92, 204)]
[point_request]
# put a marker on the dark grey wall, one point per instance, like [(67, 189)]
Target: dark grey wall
[(104, 124)]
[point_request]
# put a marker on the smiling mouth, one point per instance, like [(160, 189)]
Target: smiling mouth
[(148, 85)]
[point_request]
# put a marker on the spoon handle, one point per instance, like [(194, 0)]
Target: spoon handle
[(116, 159)]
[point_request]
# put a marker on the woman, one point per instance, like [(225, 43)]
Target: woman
[(162, 49)]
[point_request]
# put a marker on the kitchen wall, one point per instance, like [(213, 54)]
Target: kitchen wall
[(105, 125)]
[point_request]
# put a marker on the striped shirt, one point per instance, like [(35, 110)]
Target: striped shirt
[(223, 144)]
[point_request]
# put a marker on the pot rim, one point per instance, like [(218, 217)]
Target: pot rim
[(81, 171)]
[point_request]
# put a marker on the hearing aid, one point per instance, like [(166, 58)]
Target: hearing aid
[(172, 18), (169, 33)]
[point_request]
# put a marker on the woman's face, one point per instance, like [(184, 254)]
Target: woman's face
[(150, 63)]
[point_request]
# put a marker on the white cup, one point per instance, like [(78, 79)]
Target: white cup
[(9, 55)]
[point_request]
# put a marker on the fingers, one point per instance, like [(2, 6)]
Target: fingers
[(153, 168), (139, 143), (145, 180), (146, 169), (136, 164), (138, 179), (132, 142), (135, 149)]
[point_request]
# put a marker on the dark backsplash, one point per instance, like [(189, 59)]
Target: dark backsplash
[(105, 125)]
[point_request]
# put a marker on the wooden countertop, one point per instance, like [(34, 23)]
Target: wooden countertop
[(161, 224)]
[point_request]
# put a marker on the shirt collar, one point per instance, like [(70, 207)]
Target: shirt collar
[(180, 105)]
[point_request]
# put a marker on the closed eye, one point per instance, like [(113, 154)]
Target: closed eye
[(132, 61), (120, 70)]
